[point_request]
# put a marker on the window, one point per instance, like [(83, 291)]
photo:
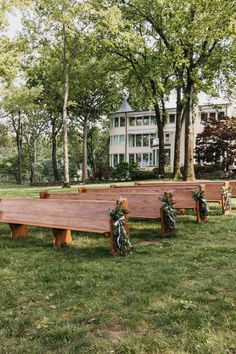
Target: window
[(221, 115), (122, 121), (138, 159), (139, 121), (116, 122), (154, 158), (116, 139), (152, 136), (115, 160), (146, 140), (121, 139), (157, 157), (145, 160), (150, 159), (212, 114), (145, 120), (121, 158), (153, 120), (171, 118), (111, 122), (110, 160), (167, 138), (138, 140), (131, 158), (167, 157), (204, 117), (131, 140), (132, 121)]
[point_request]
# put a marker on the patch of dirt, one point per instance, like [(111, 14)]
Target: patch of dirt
[(116, 335), (147, 243)]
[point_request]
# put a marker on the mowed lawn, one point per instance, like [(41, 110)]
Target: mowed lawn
[(173, 295)]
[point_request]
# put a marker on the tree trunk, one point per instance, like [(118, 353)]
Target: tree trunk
[(64, 113), (160, 133), (19, 150), (85, 151), (189, 174), (54, 153), (178, 127), (65, 133), (33, 158)]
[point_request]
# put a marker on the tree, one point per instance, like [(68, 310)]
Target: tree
[(143, 59), (63, 28), (17, 103), (217, 143), (94, 90), (197, 36)]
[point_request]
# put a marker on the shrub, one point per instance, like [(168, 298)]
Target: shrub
[(121, 171)]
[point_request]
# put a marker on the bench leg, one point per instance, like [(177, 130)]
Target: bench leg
[(18, 230), (61, 237), (163, 228)]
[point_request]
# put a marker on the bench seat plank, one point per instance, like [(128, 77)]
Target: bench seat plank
[(63, 215)]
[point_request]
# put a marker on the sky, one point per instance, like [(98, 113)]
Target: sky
[(14, 24)]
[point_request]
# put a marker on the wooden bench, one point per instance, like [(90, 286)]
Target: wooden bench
[(142, 202), (60, 216), (232, 185), (141, 205), (212, 189), (213, 193)]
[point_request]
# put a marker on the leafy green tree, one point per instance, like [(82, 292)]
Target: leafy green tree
[(197, 36), (62, 26), (17, 103), (94, 90)]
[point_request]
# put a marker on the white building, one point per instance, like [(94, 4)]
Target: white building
[(133, 135)]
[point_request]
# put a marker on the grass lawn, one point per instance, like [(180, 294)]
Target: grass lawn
[(175, 295)]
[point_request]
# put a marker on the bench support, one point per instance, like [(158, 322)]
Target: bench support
[(163, 227), (18, 230), (61, 237), (200, 219)]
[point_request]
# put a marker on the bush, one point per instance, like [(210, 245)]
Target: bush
[(121, 171), (139, 175), (204, 168)]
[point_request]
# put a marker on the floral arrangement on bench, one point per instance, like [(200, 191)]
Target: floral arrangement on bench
[(199, 196), (227, 197), (169, 212), (121, 241)]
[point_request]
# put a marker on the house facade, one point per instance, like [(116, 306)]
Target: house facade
[(133, 134)]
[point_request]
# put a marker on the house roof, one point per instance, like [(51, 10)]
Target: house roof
[(125, 107)]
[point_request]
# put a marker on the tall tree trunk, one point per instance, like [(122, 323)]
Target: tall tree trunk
[(160, 134), (85, 151), (54, 153), (65, 132), (32, 152), (189, 174), (19, 149), (178, 128), (64, 113)]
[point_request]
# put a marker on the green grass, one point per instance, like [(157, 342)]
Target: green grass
[(175, 295)]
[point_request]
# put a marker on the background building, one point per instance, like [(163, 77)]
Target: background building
[(133, 134)]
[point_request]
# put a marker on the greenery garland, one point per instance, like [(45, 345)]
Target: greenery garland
[(169, 212), (203, 206), (121, 241), (226, 192)]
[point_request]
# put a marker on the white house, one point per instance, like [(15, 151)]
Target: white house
[(133, 134)]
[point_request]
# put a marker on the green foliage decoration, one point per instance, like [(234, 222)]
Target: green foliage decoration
[(121, 241), (200, 196), (226, 192), (169, 212)]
